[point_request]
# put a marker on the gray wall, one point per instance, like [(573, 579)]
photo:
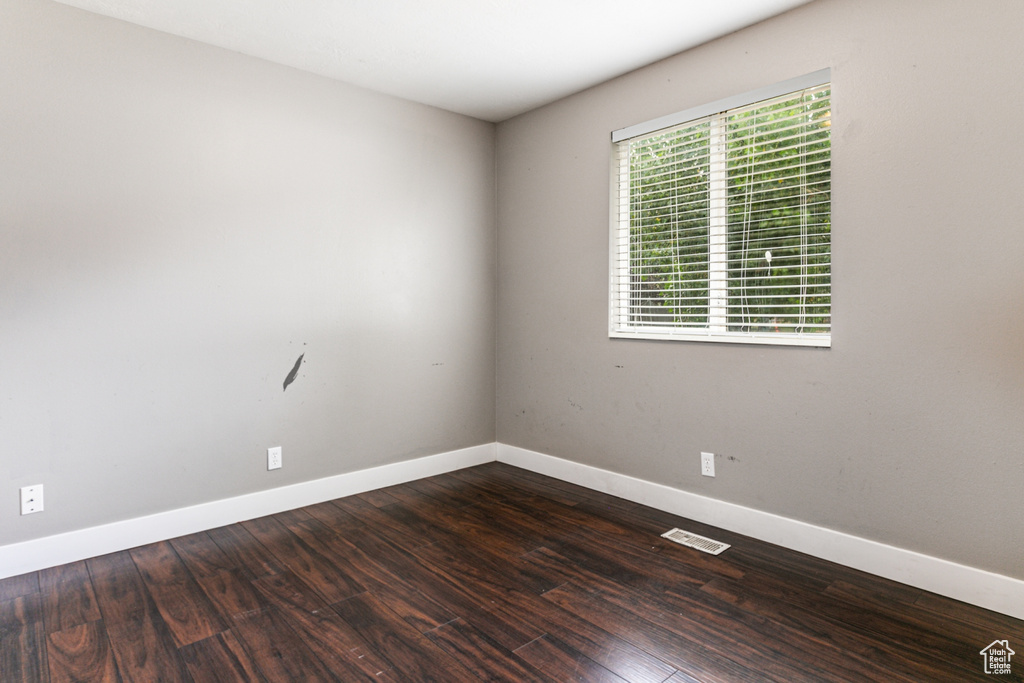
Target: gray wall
[(178, 224), (910, 430)]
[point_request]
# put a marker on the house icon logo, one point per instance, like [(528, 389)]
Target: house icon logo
[(997, 657)]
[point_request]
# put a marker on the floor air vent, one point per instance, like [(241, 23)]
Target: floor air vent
[(694, 541)]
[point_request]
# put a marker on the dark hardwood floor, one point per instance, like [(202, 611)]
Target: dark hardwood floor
[(490, 573)]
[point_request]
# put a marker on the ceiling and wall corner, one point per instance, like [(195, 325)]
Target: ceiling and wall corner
[(490, 60)]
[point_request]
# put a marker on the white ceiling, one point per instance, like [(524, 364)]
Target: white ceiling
[(491, 59)]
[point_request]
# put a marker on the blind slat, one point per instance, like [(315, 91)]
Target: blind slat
[(754, 259)]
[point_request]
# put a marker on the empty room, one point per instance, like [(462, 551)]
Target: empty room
[(511, 341)]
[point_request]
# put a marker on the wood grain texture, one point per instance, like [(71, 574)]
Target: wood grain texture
[(680, 677), (411, 654), (371, 516), (559, 662), (224, 579), (81, 654), (378, 498), (489, 573), (478, 604), (230, 593), (219, 658), (684, 654), (142, 643), (321, 540), (202, 556), (481, 656), (251, 558), (185, 609), (278, 652), (330, 637), (306, 562), (378, 564), (447, 489), (19, 586), (68, 596), (22, 640), (777, 602), (608, 650)]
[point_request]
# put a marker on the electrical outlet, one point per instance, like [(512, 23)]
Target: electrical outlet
[(274, 458), (707, 464), (31, 499)]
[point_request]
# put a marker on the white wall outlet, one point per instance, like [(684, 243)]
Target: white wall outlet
[(31, 499), (707, 464), (274, 458)]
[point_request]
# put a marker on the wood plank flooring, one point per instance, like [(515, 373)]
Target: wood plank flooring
[(486, 574)]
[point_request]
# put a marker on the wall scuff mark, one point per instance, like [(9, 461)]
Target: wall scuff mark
[(295, 371)]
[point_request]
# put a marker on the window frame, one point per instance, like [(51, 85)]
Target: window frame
[(619, 281)]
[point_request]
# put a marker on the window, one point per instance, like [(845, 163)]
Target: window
[(721, 221)]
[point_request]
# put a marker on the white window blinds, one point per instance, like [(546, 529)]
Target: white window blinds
[(721, 226)]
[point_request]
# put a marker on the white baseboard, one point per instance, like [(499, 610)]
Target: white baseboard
[(50, 551), (976, 586)]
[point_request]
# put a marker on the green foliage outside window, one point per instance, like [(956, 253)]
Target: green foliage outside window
[(774, 267)]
